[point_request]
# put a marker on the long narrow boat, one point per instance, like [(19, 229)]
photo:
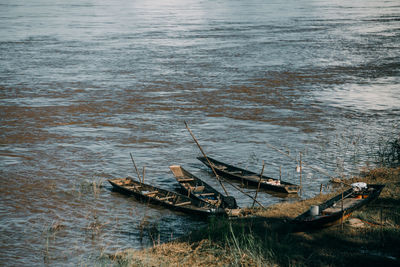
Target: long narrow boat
[(164, 197), (337, 208), (200, 190), (249, 177)]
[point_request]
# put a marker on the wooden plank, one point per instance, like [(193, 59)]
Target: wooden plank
[(183, 203), (176, 170), (347, 203), (165, 198), (132, 187), (150, 193), (197, 189), (253, 177), (221, 167), (206, 194)]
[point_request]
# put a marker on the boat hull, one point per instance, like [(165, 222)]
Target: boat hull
[(249, 178), (200, 190), (336, 215), (165, 198)]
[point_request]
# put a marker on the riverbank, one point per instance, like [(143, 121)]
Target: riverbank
[(369, 237)]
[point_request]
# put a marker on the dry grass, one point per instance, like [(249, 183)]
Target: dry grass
[(291, 210), (261, 243), (388, 176), (201, 253)]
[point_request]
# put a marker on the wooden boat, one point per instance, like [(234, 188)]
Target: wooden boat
[(164, 197), (337, 208), (198, 189), (250, 178)]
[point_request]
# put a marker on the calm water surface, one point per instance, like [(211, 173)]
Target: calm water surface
[(84, 83)]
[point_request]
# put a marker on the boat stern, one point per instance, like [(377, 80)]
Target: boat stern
[(176, 170)]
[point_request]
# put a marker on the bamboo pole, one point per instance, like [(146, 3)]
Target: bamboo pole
[(342, 213), (204, 154), (241, 191), (215, 173), (381, 232), (144, 168), (137, 171), (259, 183), (301, 187)]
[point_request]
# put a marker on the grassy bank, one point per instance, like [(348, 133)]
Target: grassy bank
[(268, 241)]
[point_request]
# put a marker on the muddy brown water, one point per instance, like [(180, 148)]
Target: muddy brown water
[(84, 83)]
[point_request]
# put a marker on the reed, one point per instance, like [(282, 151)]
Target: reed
[(45, 250), (95, 227), (97, 184), (56, 226), (388, 153), (89, 186), (49, 235), (143, 223)]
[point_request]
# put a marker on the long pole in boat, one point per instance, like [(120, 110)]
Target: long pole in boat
[(144, 171), (301, 188), (204, 154), (215, 173), (341, 219), (137, 171), (258, 186), (241, 191)]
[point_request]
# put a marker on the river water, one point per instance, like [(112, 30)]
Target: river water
[(83, 83)]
